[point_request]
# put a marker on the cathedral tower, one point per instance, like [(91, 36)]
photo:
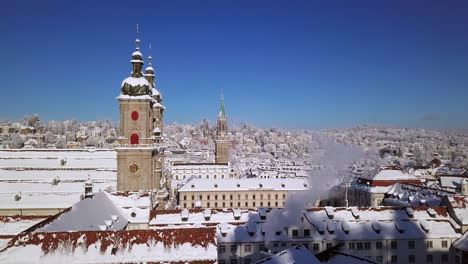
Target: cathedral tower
[(140, 152), (222, 143)]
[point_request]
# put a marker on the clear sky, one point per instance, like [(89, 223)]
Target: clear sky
[(291, 64)]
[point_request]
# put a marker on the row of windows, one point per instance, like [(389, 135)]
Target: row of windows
[(368, 245), (208, 197), (393, 259), (238, 204), (200, 176), (412, 259), (316, 246), (393, 245)]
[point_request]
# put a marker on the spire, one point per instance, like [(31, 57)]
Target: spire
[(222, 112), (137, 40), (149, 71), (137, 57), (150, 57)]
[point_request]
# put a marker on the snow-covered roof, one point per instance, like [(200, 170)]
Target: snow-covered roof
[(91, 214), (135, 81), (392, 173), (296, 254), (10, 226), (145, 97), (194, 245), (365, 224), (451, 181), (149, 68), (135, 206), (459, 206), (196, 184), (39, 200), (137, 53), (340, 258), (401, 194), (50, 159), (462, 243), (201, 217)]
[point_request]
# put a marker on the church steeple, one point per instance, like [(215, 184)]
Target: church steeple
[(222, 112), (149, 71), (137, 58), (136, 84), (222, 142)]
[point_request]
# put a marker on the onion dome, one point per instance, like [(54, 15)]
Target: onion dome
[(136, 84), (137, 56)]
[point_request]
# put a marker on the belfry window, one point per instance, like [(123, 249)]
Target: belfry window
[(134, 139)]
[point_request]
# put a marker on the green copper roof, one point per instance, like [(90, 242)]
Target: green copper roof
[(222, 113)]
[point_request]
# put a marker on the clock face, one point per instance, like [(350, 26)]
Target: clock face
[(134, 168)]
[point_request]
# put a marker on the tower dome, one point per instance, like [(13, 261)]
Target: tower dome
[(136, 84)]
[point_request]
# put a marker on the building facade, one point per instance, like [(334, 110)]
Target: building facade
[(238, 193), (182, 171)]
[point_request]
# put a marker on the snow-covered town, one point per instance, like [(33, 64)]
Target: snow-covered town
[(145, 190)]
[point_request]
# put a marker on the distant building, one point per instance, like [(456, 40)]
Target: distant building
[(238, 193), (370, 189), (182, 171), (403, 194)]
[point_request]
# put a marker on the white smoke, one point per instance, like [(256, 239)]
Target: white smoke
[(333, 159)]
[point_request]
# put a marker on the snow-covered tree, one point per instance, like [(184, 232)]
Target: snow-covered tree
[(17, 141)]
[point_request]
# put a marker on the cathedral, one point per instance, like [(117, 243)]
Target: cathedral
[(140, 150)]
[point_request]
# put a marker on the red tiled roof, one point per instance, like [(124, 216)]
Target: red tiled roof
[(49, 242), (384, 183)]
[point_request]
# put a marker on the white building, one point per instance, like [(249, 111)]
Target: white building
[(182, 171), (384, 235)]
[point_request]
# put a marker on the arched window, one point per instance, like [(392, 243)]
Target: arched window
[(134, 139)]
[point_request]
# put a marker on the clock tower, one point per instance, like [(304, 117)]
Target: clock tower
[(140, 150)]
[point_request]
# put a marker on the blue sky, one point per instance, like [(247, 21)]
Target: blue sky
[(291, 64)]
